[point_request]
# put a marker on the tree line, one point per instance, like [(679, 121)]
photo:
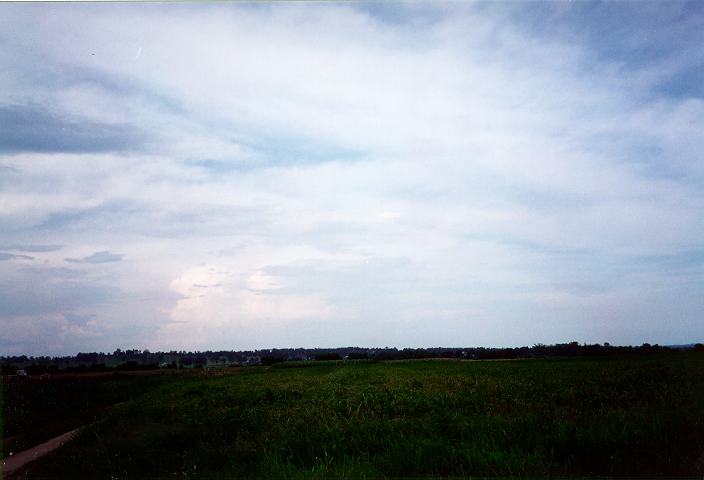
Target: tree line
[(135, 359)]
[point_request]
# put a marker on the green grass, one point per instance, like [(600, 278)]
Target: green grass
[(636, 415), (34, 411)]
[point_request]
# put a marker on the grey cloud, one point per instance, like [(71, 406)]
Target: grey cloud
[(6, 343), (78, 319), (198, 285), (145, 219), (33, 129), (10, 256), (98, 257), (78, 218), (32, 248), (26, 296), (55, 273)]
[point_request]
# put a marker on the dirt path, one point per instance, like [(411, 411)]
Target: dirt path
[(14, 463)]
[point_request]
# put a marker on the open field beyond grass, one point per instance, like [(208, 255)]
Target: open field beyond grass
[(632, 415)]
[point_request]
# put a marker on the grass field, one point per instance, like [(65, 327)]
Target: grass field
[(632, 415), (34, 411)]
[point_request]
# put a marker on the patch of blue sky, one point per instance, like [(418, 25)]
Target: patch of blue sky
[(686, 259), (528, 245), (547, 201), (280, 151), (61, 221), (685, 84), (290, 151), (86, 218), (392, 13), (618, 29), (403, 13), (645, 155), (635, 35), (576, 270)]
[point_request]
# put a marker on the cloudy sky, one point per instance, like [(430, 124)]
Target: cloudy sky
[(232, 176)]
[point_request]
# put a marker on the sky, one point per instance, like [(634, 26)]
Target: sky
[(239, 176)]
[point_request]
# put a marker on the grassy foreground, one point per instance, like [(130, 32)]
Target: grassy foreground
[(636, 415), (35, 411)]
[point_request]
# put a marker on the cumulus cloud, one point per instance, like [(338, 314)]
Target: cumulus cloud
[(298, 174), (219, 306)]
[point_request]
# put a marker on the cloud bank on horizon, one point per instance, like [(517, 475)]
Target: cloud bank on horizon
[(233, 176)]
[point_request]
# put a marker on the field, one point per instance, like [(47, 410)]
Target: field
[(34, 411), (633, 415)]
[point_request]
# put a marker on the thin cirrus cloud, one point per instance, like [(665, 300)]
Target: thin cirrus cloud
[(401, 174)]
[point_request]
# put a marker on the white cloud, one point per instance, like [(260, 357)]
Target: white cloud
[(218, 311)]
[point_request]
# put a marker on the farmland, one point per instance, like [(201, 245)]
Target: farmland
[(641, 414)]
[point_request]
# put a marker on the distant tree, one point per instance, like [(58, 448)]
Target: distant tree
[(328, 356), (699, 347), (358, 356), (129, 365), (271, 359)]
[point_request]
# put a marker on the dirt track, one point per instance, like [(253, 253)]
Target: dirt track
[(14, 463)]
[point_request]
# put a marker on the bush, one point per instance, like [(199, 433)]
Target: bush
[(270, 360), (328, 356), (358, 356)]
